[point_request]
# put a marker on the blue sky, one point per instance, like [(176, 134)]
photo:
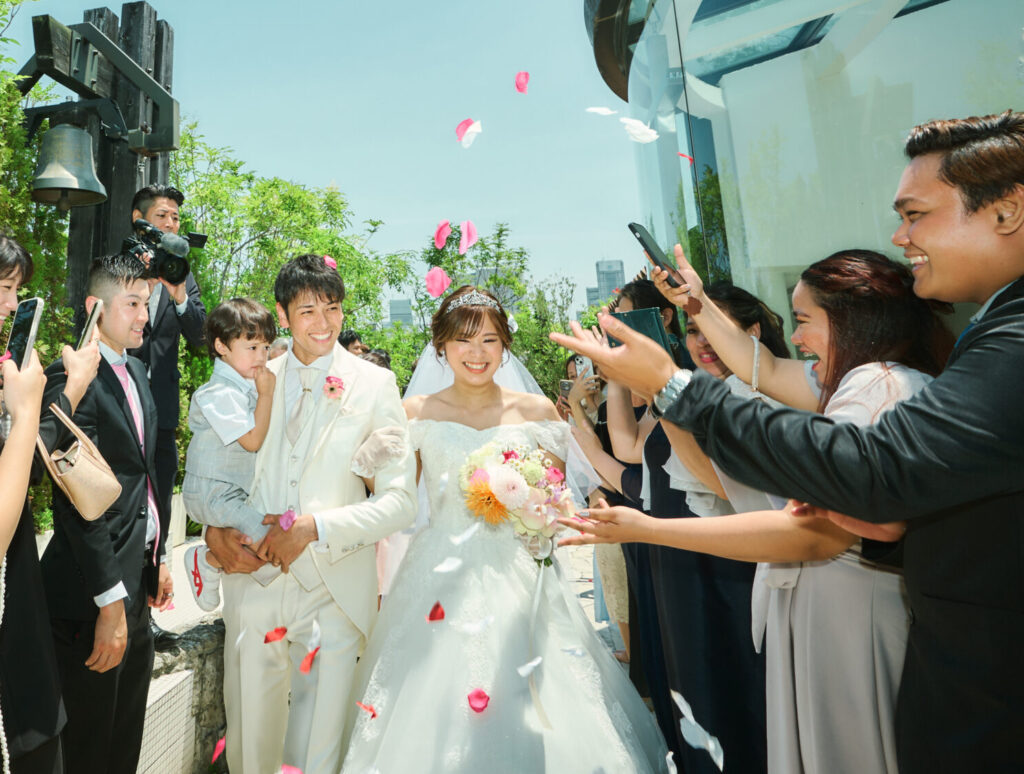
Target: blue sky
[(366, 95)]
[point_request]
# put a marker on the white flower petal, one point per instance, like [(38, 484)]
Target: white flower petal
[(474, 129), (602, 111), (526, 669)]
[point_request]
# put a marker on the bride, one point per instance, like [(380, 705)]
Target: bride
[(482, 660)]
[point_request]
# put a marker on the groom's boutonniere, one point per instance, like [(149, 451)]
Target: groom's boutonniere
[(333, 388)]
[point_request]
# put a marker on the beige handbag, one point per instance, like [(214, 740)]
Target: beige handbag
[(81, 472)]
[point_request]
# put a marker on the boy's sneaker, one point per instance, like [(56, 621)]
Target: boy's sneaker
[(204, 579)]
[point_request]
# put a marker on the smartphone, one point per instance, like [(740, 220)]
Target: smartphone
[(90, 324), (654, 253), (645, 321), (23, 331), (564, 386), (583, 363)]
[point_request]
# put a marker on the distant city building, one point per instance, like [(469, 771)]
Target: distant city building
[(593, 297), (400, 310), (610, 277)]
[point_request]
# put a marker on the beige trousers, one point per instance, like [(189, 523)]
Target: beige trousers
[(276, 714)]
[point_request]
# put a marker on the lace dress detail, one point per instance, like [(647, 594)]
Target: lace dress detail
[(417, 674)]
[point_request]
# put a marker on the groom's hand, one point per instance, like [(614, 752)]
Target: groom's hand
[(232, 549), (281, 547)]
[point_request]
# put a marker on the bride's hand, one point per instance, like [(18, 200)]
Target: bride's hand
[(602, 524)]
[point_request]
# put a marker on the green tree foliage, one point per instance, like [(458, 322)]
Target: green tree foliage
[(707, 250)]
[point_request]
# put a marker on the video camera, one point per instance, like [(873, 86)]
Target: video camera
[(169, 251)]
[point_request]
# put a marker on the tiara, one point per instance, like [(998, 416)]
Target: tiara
[(473, 298)]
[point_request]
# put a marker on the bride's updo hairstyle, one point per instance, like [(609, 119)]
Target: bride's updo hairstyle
[(462, 314)]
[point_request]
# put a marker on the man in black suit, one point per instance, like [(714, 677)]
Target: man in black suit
[(99, 575), (174, 310), (949, 461)]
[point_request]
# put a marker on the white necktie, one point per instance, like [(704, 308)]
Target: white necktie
[(304, 408)]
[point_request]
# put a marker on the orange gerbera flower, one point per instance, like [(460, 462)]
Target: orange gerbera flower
[(482, 502)]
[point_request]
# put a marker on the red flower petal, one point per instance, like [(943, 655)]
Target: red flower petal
[(688, 158), (218, 749), (478, 700), (460, 130), (436, 613), (275, 634), (307, 662), (6, 356), (437, 281), (367, 708), (441, 233), (522, 81)]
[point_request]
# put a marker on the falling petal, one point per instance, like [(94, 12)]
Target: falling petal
[(687, 157), (218, 749), (462, 537), (522, 81), (526, 669), (314, 637), (307, 661), (331, 263), (695, 735), (474, 627), (275, 634), (441, 233), (451, 564), (286, 520), (436, 613), (238, 639), (368, 708), (437, 281), (670, 763), (602, 111), (639, 131), (478, 700), (470, 133), (286, 769), (578, 652), (468, 238)]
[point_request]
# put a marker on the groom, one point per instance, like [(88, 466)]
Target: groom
[(327, 404)]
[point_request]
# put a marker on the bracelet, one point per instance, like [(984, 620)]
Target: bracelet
[(757, 362)]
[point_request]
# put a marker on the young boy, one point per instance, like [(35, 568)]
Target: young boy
[(229, 417)]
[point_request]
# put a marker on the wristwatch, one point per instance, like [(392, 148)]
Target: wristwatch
[(668, 394)]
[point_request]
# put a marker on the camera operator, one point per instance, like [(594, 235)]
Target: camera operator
[(174, 309)]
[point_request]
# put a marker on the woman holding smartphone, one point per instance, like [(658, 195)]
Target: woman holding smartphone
[(30, 698)]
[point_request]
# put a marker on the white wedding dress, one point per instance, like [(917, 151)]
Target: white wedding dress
[(415, 676)]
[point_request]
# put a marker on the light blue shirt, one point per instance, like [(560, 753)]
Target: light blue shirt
[(228, 406)]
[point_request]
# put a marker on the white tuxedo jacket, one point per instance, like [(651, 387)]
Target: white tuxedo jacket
[(344, 557)]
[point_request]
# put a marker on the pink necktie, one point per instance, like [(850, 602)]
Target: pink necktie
[(122, 374)]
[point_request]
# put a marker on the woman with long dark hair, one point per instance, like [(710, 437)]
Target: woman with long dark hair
[(837, 634)]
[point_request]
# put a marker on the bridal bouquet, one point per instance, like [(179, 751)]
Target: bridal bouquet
[(516, 484)]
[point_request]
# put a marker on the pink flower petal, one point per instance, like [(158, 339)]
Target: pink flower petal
[(6, 356), (522, 81), (480, 476), (367, 708), (286, 769), (554, 475), (275, 634), (470, 134), (437, 281), (688, 158), (307, 661), (460, 130), (170, 607), (436, 613), (286, 520), (330, 262), (218, 749), (468, 238), (478, 700), (441, 233)]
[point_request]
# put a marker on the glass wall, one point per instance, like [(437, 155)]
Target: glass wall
[(794, 114)]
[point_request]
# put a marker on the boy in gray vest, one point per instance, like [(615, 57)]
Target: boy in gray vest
[(229, 417)]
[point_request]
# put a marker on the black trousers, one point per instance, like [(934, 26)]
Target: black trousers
[(47, 758), (106, 712), (165, 473)]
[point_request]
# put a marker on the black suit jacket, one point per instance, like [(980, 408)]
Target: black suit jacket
[(950, 460), (159, 350), (85, 559)]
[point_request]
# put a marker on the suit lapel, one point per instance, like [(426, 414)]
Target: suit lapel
[(106, 373)]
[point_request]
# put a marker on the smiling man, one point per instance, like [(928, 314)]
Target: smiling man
[(327, 404), (949, 461)]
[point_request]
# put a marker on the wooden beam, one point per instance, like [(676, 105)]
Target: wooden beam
[(73, 62)]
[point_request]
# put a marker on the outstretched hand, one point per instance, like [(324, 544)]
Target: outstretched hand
[(639, 363), (602, 524), (884, 533)]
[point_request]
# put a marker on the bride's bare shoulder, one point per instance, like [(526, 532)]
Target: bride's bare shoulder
[(426, 406), (532, 407)]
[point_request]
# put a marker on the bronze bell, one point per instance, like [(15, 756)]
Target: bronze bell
[(65, 172)]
